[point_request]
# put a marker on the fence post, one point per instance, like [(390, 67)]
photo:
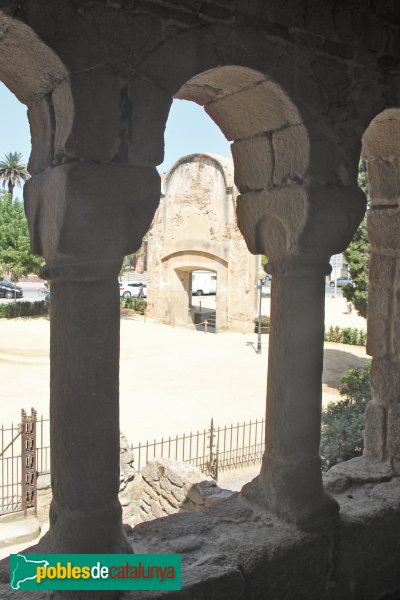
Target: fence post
[(213, 458), (28, 459)]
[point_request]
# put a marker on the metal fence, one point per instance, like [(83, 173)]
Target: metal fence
[(25, 454), (212, 450)]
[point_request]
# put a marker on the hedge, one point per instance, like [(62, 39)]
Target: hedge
[(346, 335), (23, 309)]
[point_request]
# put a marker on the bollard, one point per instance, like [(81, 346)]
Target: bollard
[(205, 326)]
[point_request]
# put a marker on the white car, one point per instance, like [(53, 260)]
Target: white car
[(130, 288)]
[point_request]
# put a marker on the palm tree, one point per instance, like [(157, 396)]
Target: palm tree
[(12, 171)]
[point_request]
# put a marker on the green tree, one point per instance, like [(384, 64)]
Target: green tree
[(357, 255), (16, 259), (12, 171), (342, 433)]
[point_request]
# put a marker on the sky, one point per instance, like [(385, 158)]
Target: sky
[(189, 130)]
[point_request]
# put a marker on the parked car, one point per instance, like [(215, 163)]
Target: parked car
[(341, 281), (9, 290), (130, 288)]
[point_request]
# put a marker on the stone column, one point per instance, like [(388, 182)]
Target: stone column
[(85, 515), (290, 481), (84, 218), (382, 418)]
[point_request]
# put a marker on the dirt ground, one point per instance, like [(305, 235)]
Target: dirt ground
[(172, 380)]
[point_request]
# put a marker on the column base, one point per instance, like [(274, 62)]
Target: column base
[(294, 492), (98, 531)]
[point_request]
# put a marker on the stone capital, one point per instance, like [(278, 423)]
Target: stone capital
[(296, 267), (84, 218)]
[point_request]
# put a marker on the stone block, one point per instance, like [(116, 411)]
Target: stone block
[(383, 228), (380, 141), (42, 135), (385, 381), (88, 212), (148, 106), (87, 112), (309, 151), (156, 509), (384, 181), (254, 164), (379, 322), (167, 508), (375, 431), (272, 221), (39, 69), (360, 470), (382, 270), (219, 82), (267, 108)]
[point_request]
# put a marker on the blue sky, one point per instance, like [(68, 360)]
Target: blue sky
[(189, 130)]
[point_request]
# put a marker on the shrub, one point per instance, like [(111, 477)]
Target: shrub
[(265, 321), (138, 304), (342, 433), (23, 309), (347, 335)]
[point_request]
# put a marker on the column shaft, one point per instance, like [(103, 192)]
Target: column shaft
[(84, 417), (291, 481)]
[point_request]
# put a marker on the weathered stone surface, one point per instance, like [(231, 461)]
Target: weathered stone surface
[(379, 322), (317, 63), (375, 431), (385, 381), (142, 139), (38, 66), (42, 134), (268, 108), (195, 229), (379, 140), (384, 181), (393, 436), (93, 123), (383, 226), (96, 208), (359, 470), (254, 164)]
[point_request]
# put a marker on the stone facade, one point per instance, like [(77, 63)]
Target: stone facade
[(295, 86), (195, 228)]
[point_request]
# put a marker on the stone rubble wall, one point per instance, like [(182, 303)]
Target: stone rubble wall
[(164, 487)]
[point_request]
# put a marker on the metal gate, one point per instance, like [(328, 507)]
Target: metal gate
[(24, 452)]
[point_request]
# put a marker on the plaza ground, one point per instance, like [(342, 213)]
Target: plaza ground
[(172, 380)]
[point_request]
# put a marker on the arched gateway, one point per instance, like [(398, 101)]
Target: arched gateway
[(195, 229)]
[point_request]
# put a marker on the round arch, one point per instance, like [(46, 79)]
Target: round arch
[(285, 149)]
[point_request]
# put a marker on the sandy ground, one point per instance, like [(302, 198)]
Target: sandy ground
[(172, 380)]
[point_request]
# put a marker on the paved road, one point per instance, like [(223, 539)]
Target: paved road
[(31, 292)]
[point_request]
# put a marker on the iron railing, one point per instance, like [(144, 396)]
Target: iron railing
[(212, 449), (25, 454)]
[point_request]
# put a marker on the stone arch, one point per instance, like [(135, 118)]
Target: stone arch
[(268, 104), (381, 149), (33, 71)]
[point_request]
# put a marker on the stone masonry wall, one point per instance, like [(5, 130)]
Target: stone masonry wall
[(195, 228), (164, 487)]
